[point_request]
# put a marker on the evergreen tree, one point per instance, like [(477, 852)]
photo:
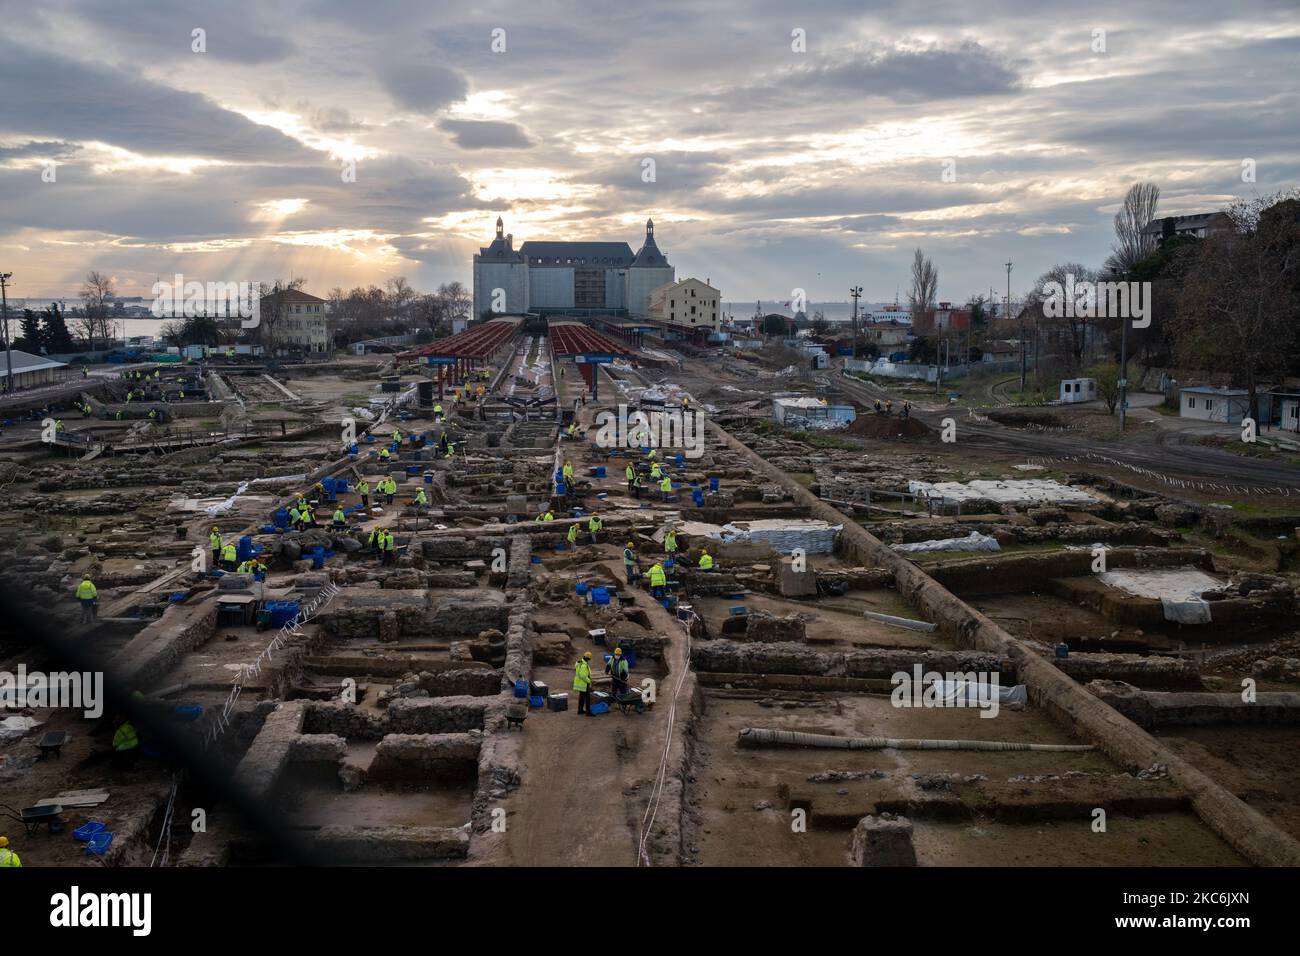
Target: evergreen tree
[(58, 340), (33, 338)]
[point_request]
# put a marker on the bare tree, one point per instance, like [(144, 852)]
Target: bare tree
[(1064, 336), (1131, 244), (456, 299), (96, 292), (398, 299), (925, 285)]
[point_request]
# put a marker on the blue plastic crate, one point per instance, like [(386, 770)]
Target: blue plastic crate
[(537, 700), (581, 587), (600, 708), (521, 688), (99, 843), (738, 611), (600, 595), (87, 830)]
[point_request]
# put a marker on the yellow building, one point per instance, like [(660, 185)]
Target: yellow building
[(689, 303)]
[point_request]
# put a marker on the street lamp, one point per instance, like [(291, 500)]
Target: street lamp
[(4, 317), (856, 293)]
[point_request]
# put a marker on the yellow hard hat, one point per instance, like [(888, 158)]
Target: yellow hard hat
[(4, 841), (587, 656), (618, 650)]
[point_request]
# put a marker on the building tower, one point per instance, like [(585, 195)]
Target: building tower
[(500, 267), (648, 271)]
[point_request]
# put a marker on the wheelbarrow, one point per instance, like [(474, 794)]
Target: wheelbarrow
[(51, 742), (632, 699), (32, 818)]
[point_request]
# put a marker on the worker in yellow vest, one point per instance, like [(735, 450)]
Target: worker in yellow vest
[(451, 449), (546, 516), (437, 412), (658, 580), (582, 683), (656, 472), (126, 745), (666, 486), (706, 561), (363, 489), (389, 548), (630, 473), (340, 520), (397, 436), (384, 454), (594, 526), (86, 594), (573, 534), (670, 542), (421, 500), (7, 856), (214, 541), (567, 473), (228, 556), (375, 541)]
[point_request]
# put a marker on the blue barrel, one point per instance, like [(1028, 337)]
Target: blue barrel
[(328, 485), (281, 518), (600, 471), (428, 477), (681, 460), (713, 484), (340, 486), (560, 488), (244, 549), (353, 449)]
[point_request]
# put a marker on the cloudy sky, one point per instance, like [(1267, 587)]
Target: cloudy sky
[(773, 167)]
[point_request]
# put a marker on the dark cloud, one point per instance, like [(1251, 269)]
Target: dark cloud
[(84, 101), (487, 134), (421, 87)]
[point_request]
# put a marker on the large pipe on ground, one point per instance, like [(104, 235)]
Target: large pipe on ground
[(755, 737)]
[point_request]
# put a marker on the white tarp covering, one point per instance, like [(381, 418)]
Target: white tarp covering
[(1179, 589), (973, 692), (972, 542), (1015, 491), (17, 725)]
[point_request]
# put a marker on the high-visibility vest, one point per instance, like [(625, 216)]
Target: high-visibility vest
[(383, 453), (582, 676), (339, 516), (421, 498), (573, 533), (215, 540), (629, 557), (593, 524), (397, 436), (657, 576), (706, 561), (228, 553), (670, 542), (125, 738), (295, 515), (451, 449), (618, 667), (9, 858), (567, 471), (374, 534), (656, 471), (308, 516), (630, 472), (363, 489), (666, 484), (437, 409), (390, 543), (86, 591)]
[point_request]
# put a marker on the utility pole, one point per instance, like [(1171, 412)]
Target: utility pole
[(4, 316), (856, 293), (1022, 332), (1123, 371)]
